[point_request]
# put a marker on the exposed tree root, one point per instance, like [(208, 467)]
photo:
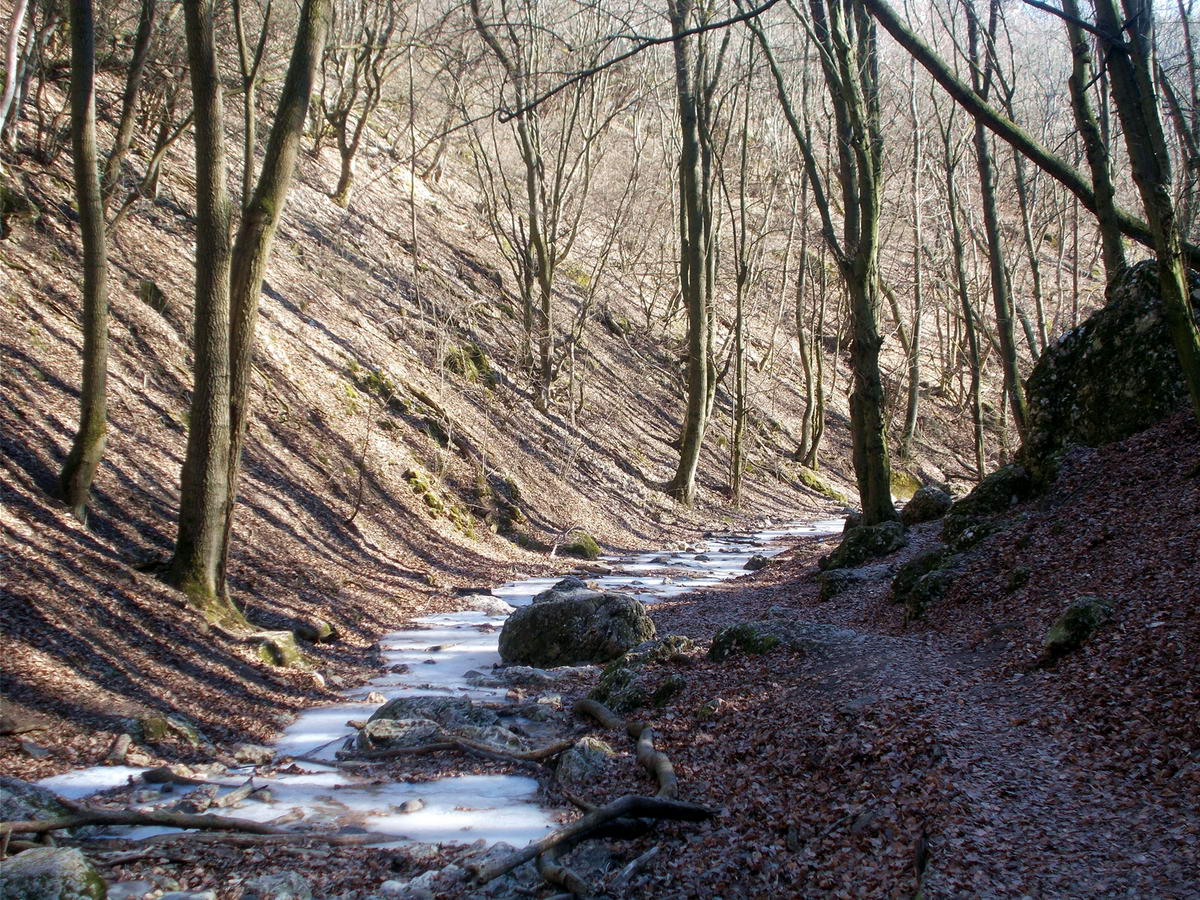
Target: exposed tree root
[(631, 806), (561, 876)]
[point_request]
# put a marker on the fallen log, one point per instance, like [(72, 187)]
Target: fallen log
[(631, 806), (466, 745), (84, 815)]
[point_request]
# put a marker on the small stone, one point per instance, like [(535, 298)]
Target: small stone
[(376, 698), (34, 751), (412, 806)]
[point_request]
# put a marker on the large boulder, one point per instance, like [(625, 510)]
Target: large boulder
[(863, 543), (563, 627), (924, 579), (927, 504), (970, 519), (47, 873), (1113, 376)]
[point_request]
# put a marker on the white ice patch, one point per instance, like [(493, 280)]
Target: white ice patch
[(433, 658)]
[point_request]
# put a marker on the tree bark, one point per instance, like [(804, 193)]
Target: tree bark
[(981, 77), (75, 481), (692, 264), (15, 21), (256, 232), (129, 99), (1134, 93), (195, 567)]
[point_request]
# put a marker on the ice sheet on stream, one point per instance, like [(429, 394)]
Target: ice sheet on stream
[(433, 658)]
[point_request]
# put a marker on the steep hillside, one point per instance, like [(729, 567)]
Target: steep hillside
[(393, 435)]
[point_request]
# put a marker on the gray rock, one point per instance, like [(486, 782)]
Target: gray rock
[(317, 631), (253, 754), (574, 626), (927, 504), (380, 733), (1113, 376), (585, 762), (129, 890), (863, 543), (447, 711), (21, 801), (490, 606), (278, 886), (756, 562), (47, 873), (189, 895)]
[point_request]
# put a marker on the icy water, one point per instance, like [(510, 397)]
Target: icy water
[(434, 658)]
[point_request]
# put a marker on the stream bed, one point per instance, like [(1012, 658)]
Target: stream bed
[(441, 655)]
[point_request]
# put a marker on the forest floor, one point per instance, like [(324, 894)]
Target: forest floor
[(935, 757)]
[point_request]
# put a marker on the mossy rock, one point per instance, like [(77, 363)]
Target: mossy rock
[(996, 494), (437, 504), (1113, 376), (1075, 627), (588, 760), (574, 626), (927, 504), (816, 482), (278, 648), (316, 631), (863, 543), (580, 545), (1018, 577), (49, 873), (470, 362), (904, 484), (924, 580), (621, 688), (667, 689), (23, 801), (156, 729), (743, 639)]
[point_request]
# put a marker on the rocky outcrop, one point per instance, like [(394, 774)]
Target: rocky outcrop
[(923, 580), (862, 543), (927, 504), (970, 520), (755, 638), (571, 624), (1113, 376), (46, 873)]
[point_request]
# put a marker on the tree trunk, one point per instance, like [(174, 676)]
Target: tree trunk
[(75, 481), (129, 99), (252, 249), (1094, 145), (1134, 93), (15, 21), (692, 265), (914, 348), (204, 494), (981, 74)]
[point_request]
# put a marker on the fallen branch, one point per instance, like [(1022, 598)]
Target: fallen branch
[(627, 873), (83, 815), (633, 806), (538, 754)]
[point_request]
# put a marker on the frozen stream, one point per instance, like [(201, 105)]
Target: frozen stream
[(434, 658)]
